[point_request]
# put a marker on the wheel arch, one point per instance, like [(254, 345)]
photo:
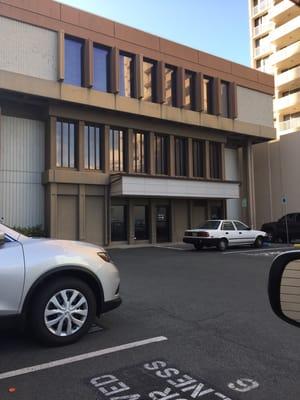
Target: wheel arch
[(64, 271)]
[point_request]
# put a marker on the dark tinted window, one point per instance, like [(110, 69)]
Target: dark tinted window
[(240, 226), (101, 68), (141, 222), (198, 158), (161, 154), (210, 225), (73, 61), (116, 150), (215, 160), (118, 223), (65, 144), (139, 152), (92, 147), (180, 156)]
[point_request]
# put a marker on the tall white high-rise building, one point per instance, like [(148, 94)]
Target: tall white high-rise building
[(275, 49)]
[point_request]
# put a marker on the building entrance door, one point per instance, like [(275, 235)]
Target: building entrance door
[(162, 224)]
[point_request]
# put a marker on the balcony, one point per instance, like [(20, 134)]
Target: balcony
[(288, 79), (290, 125), (286, 57), (261, 7), (262, 29), (286, 33), (284, 11), (289, 103), (264, 49), (129, 185), (267, 69)]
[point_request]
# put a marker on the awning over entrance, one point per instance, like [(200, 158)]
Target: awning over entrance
[(175, 188)]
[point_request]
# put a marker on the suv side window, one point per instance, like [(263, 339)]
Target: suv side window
[(298, 218), (228, 226)]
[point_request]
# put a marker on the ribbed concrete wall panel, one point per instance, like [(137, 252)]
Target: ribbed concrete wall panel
[(28, 50), (232, 174), (22, 161), (254, 107)]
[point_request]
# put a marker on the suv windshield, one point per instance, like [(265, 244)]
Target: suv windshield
[(210, 225)]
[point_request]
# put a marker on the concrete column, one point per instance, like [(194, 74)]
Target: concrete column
[(105, 153), (107, 216), (80, 146), (61, 56), (114, 70), (151, 153), (51, 144), (222, 161), (152, 225), (233, 109), (160, 82), (199, 92), (88, 63), (216, 96), (130, 222), (190, 158), (248, 188), (180, 75), (171, 156), (138, 74), (82, 233), (53, 210), (190, 214)]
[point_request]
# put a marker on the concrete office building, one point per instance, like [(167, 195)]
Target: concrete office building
[(109, 134), (275, 47)]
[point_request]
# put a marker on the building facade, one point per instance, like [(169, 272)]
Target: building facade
[(112, 135), (275, 47)]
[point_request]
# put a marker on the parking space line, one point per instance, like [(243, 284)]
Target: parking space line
[(264, 250), (170, 248), (80, 357)]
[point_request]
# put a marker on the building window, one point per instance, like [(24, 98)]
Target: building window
[(139, 152), (207, 94), (141, 229), (92, 147), (161, 154), (73, 61), (225, 99), (215, 160), (170, 85), (198, 158), (189, 90), (180, 156), (116, 150), (126, 75), (149, 73), (65, 144), (118, 223), (101, 68)]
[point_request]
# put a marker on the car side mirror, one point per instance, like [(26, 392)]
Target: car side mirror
[(2, 238), (284, 287)]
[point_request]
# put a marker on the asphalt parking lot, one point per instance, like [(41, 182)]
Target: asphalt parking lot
[(192, 325)]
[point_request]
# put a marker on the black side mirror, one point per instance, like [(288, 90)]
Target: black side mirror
[(284, 287)]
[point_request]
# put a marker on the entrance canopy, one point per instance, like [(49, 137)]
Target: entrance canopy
[(172, 187)]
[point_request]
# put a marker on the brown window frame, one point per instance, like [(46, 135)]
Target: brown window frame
[(98, 161)]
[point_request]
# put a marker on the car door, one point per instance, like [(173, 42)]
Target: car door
[(12, 274), (230, 233), (246, 235)]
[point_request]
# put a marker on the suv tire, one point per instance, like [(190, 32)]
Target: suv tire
[(62, 311)]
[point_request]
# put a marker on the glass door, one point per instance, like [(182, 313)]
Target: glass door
[(162, 224)]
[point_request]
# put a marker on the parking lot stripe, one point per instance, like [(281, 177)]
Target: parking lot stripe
[(264, 250), (80, 357)]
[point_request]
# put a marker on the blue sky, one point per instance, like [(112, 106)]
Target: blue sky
[(217, 27)]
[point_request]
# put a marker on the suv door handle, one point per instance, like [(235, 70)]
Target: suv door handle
[(227, 233), (240, 233)]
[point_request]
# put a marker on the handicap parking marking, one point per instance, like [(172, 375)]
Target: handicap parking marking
[(80, 357), (161, 380)]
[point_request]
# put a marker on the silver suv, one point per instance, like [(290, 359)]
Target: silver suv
[(57, 286)]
